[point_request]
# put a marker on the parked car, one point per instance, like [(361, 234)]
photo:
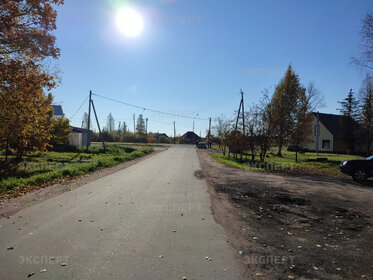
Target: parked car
[(202, 145), (359, 169)]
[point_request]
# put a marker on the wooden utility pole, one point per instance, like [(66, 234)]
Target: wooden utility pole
[(89, 118), (174, 133), (209, 143), (134, 125), (119, 131), (243, 112), (98, 125)]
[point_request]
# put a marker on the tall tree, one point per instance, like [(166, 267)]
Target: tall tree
[(263, 124), (60, 131), (85, 120), (366, 116), (110, 123), (365, 59), (221, 130), (349, 109), (302, 122), (124, 127), (284, 101), (140, 126), (26, 41)]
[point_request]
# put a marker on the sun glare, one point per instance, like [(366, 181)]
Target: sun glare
[(130, 22)]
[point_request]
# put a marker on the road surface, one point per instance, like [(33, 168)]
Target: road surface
[(151, 220)]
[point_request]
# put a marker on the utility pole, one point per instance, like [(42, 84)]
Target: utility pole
[(98, 125), (119, 132), (317, 132), (209, 143), (134, 125), (89, 119), (146, 130), (243, 112), (174, 133)]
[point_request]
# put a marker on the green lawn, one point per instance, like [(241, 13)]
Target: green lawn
[(123, 144), (47, 167), (306, 164)]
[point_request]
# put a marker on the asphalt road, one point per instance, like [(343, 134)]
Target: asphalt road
[(151, 220)]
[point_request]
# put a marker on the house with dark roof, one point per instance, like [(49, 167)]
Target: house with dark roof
[(57, 111), (331, 135), (190, 138)]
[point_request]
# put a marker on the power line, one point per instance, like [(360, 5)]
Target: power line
[(148, 109), (81, 105)]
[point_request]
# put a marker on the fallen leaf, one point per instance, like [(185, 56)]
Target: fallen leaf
[(43, 270), (30, 274), (10, 248), (259, 274), (63, 264)]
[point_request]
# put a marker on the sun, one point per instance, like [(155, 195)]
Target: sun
[(130, 22)]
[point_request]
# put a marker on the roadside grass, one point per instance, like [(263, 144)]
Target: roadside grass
[(307, 163), (125, 144), (43, 168)]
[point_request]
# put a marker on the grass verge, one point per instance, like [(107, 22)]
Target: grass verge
[(307, 163), (41, 169)]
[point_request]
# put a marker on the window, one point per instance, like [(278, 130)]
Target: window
[(326, 144)]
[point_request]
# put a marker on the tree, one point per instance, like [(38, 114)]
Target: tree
[(366, 118), (110, 123), (26, 29), (283, 103), (262, 124), (221, 130), (85, 120), (26, 122), (349, 110), (365, 60), (302, 121), (60, 131), (236, 143), (26, 41), (140, 127)]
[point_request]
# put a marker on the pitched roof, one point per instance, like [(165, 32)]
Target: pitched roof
[(57, 110), (332, 122), (190, 135)]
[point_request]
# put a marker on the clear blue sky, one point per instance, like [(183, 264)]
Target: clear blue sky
[(198, 64)]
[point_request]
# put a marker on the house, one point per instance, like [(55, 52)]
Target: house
[(158, 136), (331, 136), (190, 138), (80, 136), (57, 112)]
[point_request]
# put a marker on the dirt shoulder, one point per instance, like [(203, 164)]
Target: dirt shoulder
[(11, 206), (293, 227)]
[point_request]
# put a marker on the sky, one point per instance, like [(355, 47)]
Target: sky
[(193, 57)]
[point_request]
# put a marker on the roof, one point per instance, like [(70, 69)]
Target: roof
[(80, 130), (57, 110), (190, 135), (161, 135), (332, 122)]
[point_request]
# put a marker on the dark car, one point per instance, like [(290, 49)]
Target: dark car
[(201, 145), (359, 169)]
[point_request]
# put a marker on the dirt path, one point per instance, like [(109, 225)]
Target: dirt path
[(294, 227)]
